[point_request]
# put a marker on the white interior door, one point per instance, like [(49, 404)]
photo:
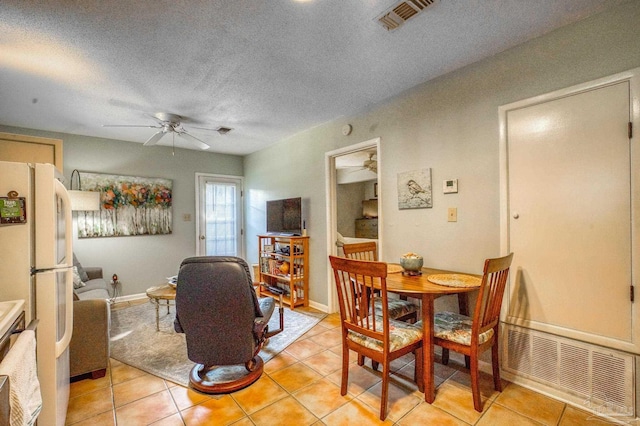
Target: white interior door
[(569, 214), (219, 223)]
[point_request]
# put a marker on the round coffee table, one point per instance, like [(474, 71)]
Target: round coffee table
[(156, 294)]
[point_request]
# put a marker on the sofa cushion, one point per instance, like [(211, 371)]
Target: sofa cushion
[(83, 274), (93, 285), (93, 289), (77, 281)]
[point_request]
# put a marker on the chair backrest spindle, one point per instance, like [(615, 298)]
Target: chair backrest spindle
[(361, 251), (355, 281), (489, 302)]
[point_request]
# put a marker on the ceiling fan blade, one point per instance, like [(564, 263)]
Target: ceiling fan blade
[(203, 128), (155, 138), (222, 130), (201, 144), (131, 125), (350, 169)]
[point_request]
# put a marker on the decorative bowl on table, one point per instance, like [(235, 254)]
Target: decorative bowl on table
[(411, 263)]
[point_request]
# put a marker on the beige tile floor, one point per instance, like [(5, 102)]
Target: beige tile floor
[(301, 386)]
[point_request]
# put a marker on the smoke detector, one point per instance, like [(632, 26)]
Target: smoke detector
[(401, 12)]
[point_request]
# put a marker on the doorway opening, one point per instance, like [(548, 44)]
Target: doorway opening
[(353, 194)]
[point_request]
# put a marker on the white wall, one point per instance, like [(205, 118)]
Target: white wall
[(141, 261), (349, 198), (451, 125)]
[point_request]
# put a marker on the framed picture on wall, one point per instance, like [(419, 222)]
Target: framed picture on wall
[(129, 205), (414, 189)]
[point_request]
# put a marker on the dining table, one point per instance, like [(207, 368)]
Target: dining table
[(419, 287)]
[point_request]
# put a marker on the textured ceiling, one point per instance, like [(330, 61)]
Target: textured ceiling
[(267, 69)]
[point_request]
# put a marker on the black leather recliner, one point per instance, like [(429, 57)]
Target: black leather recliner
[(224, 322)]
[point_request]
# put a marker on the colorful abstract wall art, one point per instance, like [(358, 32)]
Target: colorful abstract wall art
[(129, 205)]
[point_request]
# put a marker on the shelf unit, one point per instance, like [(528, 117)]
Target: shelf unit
[(284, 267)]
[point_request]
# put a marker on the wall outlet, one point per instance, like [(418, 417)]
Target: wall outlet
[(186, 217), (452, 214)]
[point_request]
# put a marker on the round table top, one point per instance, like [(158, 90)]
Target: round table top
[(417, 285), (165, 292)]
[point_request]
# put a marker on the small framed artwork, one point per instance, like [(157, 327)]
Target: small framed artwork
[(375, 190), (414, 189)]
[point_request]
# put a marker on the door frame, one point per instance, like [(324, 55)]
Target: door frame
[(332, 212), (633, 78), (240, 208)]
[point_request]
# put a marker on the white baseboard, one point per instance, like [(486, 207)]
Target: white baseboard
[(318, 306), (129, 298)]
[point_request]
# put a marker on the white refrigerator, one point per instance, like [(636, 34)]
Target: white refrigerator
[(36, 264)]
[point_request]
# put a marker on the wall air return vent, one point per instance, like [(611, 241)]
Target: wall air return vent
[(399, 13), (600, 378)]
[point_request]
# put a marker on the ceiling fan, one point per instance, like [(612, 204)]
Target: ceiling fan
[(171, 123), (369, 164)]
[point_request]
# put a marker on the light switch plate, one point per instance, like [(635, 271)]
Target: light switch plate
[(452, 214), (450, 186)]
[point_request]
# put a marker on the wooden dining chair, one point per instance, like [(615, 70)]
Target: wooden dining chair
[(367, 250), (375, 336), (474, 335), (399, 309)]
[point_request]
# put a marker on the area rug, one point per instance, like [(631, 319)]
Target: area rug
[(135, 341)]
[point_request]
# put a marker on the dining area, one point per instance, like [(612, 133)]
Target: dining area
[(381, 321)]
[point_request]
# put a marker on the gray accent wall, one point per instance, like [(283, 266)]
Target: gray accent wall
[(146, 260), (449, 124)]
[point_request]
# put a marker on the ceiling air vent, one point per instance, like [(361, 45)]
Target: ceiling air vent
[(399, 13), (224, 130)]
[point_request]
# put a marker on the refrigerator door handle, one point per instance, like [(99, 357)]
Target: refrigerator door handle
[(63, 343)]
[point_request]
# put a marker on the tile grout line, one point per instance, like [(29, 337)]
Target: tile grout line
[(488, 404)]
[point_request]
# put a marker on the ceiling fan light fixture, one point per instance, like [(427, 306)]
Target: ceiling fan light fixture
[(172, 123), (168, 117)]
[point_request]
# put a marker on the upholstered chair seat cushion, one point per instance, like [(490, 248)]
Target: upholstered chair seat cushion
[(397, 307), (400, 334), (456, 328)]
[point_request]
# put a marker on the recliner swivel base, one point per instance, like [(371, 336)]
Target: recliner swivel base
[(221, 379)]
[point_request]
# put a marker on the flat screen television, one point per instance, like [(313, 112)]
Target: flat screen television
[(284, 216)]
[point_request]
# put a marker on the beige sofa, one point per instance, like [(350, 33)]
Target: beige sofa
[(89, 349), (95, 286)]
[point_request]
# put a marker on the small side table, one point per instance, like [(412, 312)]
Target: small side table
[(164, 292)]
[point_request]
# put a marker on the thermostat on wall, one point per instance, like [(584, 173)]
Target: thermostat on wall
[(450, 186)]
